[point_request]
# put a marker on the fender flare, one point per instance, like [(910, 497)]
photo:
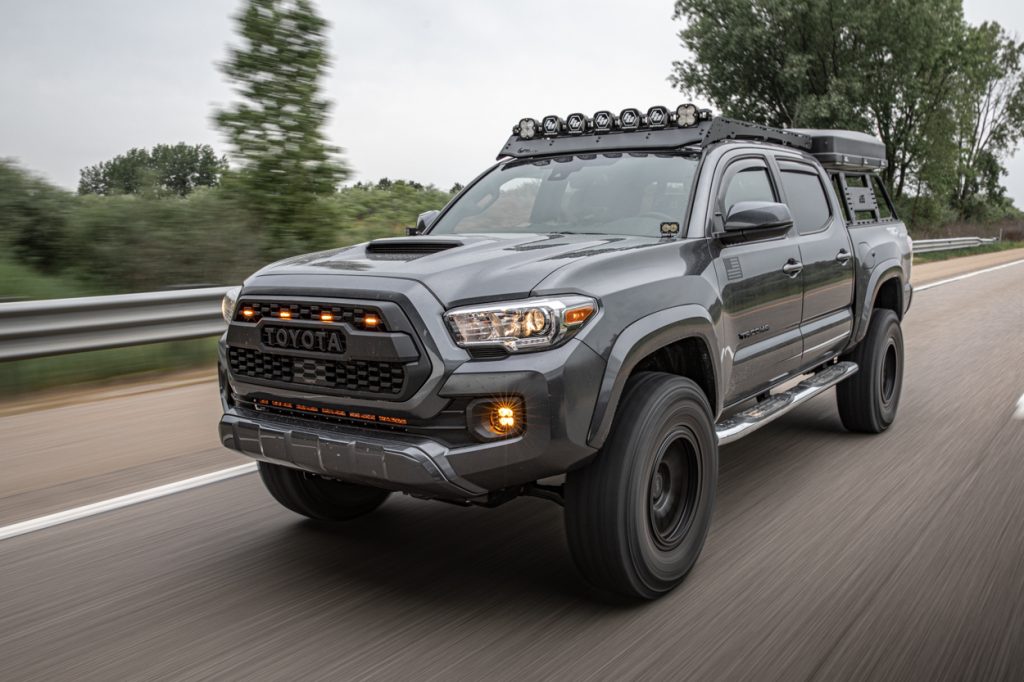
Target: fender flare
[(639, 340), (882, 273)]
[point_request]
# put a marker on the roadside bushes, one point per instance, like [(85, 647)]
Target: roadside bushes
[(141, 242)]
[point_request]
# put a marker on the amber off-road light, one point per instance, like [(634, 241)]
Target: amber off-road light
[(371, 321), (496, 417), (284, 314), (503, 418), (326, 317), (247, 313)]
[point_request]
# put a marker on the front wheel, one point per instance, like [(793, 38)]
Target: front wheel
[(319, 498), (636, 517), (868, 400)]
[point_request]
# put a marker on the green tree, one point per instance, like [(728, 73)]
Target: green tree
[(168, 169), (33, 219), (276, 128), (988, 115), (885, 66)]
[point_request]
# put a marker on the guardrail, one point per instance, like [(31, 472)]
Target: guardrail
[(929, 245), (32, 329)]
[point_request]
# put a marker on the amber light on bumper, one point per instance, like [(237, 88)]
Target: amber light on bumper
[(490, 418)]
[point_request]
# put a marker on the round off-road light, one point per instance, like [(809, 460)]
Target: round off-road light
[(576, 124), (527, 129), (657, 117), (603, 121), (629, 119), (686, 115), (552, 126)]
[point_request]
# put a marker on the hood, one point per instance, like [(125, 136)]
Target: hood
[(460, 269)]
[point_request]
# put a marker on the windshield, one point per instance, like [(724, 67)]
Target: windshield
[(620, 194)]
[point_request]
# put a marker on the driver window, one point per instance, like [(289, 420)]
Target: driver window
[(749, 184)]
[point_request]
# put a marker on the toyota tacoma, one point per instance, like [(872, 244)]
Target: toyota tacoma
[(588, 321)]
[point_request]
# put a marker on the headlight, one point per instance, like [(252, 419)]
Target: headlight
[(532, 324), (227, 304)]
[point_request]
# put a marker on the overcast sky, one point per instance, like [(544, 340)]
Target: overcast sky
[(426, 91)]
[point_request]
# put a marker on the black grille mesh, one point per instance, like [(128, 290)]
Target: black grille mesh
[(361, 376), (308, 311)]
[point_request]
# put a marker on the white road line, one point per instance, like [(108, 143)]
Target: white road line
[(969, 274), (1019, 414), (76, 513)]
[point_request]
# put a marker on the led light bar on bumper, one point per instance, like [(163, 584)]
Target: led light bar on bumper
[(532, 324)]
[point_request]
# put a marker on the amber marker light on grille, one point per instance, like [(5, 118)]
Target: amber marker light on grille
[(248, 312), (284, 314), (575, 316), (371, 321), (326, 317)]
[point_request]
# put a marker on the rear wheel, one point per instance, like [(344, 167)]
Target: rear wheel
[(637, 516), (868, 400), (319, 498)]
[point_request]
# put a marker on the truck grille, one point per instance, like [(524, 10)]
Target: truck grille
[(362, 376)]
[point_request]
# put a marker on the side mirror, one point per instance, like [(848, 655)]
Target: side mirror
[(750, 216), (425, 220)]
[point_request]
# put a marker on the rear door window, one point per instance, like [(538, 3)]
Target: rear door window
[(806, 198)]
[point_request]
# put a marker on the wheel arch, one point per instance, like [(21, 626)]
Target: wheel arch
[(680, 340), (885, 290)]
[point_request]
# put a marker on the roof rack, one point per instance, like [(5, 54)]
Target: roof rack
[(704, 133)]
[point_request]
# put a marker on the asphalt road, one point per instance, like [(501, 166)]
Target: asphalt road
[(831, 556)]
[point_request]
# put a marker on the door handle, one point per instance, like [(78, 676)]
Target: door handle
[(793, 267), (843, 257)]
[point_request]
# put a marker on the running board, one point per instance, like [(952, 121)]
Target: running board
[(767, 411)]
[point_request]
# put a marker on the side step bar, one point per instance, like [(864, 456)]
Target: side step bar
[(767, 411)]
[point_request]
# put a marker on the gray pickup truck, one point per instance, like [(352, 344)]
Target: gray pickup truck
[(587, 322)]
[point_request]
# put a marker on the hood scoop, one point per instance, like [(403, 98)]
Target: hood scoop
[(407, 249)]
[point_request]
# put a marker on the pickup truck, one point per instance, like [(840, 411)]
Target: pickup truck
[(588, 321)]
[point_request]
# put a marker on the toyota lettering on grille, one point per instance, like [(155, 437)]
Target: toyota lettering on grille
[(322, 340)]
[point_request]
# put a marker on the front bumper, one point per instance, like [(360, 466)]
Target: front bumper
[(398, 463), (558, 389)]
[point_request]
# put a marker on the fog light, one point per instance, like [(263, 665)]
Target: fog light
[(490, 418), (503, 419)]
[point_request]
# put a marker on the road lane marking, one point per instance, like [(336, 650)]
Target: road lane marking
[(82, 512), (1019, 414), (965, 276)]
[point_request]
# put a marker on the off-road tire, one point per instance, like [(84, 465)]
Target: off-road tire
[(663, 439), (317, 497), (869, 399)]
